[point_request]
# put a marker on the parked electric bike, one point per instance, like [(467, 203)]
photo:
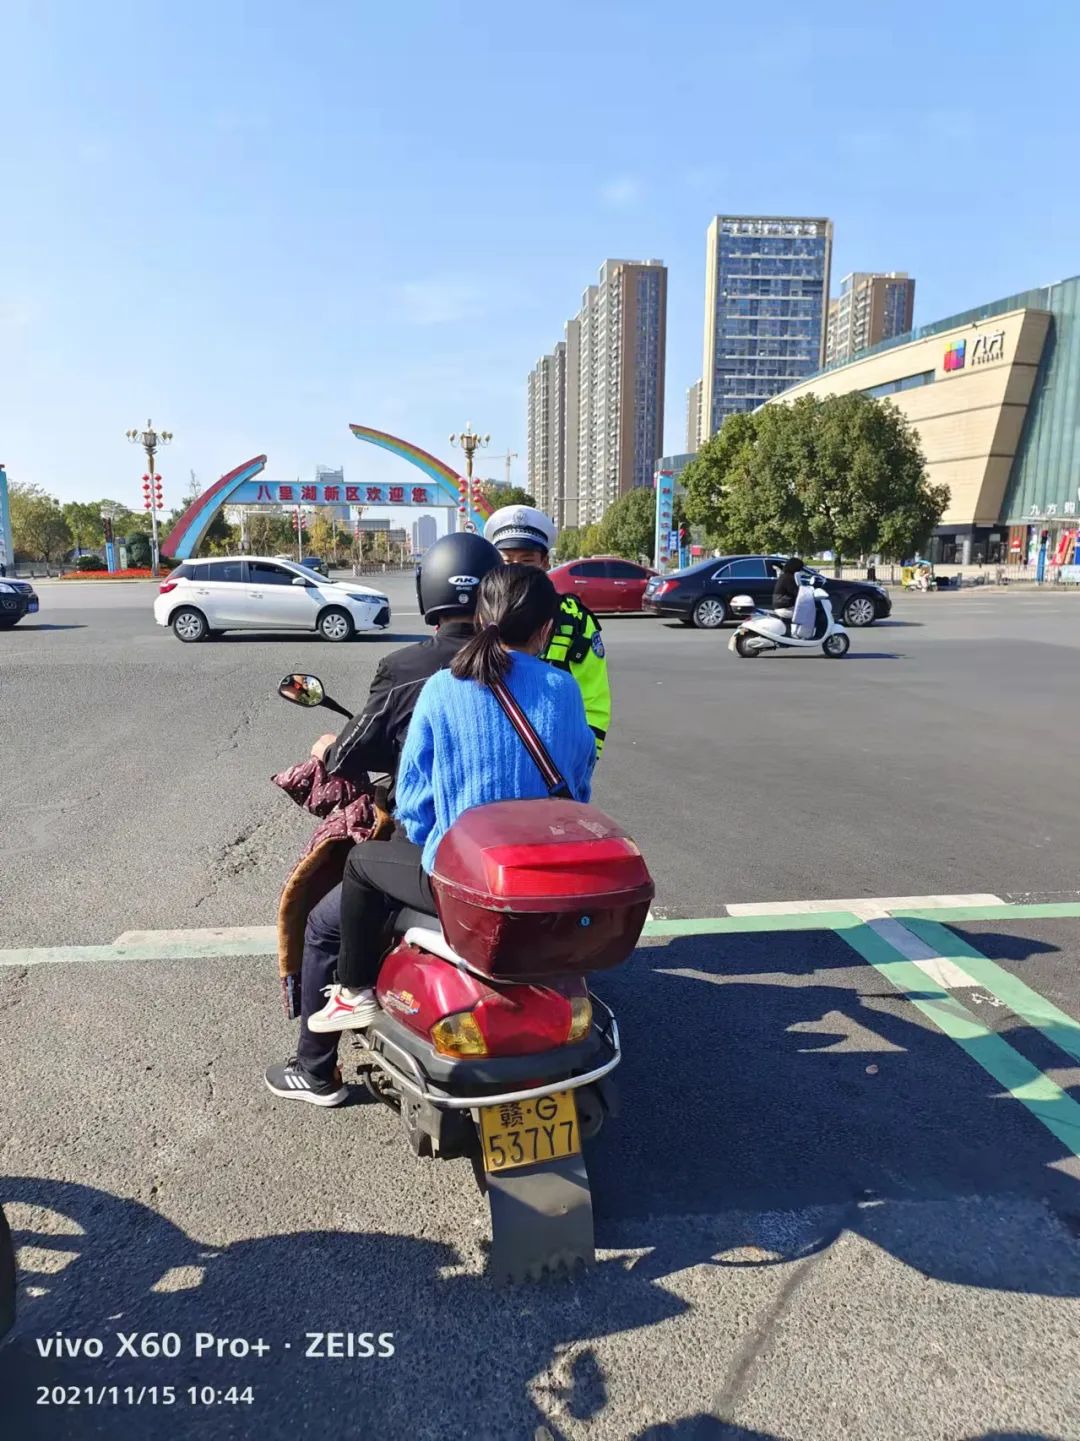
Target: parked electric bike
[(765, 630), (490, 1045)]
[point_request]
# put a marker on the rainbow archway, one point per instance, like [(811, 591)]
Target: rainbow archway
[(239, 487), (183, 540), (444, 475)]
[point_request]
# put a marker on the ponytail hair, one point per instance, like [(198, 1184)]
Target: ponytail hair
[(513, 605)]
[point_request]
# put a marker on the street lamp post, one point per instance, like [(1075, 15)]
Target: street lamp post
[(470, 443), (150, 439)]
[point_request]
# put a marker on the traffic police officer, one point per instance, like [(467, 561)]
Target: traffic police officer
[(525, 536)]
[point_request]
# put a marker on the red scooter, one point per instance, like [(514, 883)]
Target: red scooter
[(490, 1045)]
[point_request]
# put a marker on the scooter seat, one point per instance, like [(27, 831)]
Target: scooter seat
[(409, 919)]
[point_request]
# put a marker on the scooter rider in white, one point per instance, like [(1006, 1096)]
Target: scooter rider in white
[(793, 623)]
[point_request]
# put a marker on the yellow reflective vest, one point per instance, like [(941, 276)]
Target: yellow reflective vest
[(577, 645)]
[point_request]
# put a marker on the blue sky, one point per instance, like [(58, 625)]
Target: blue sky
[(257, 222)]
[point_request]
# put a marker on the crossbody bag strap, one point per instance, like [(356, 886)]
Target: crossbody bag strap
[(553, 777)]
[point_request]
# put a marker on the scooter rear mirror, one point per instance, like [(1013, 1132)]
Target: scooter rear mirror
[(304, 690)]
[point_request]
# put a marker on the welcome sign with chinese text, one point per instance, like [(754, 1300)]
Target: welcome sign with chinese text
[(274, 492)]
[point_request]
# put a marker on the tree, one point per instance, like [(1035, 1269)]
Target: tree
[(709, 476), (499, 495), (271, 534), (843, 473), (323, 532), (630, 524), (594, 539), (138, 550), (568, 545), (38, 527), (869, 491), (84, 522)]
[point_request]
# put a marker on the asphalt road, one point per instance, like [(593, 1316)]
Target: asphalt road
[(820, 1215)]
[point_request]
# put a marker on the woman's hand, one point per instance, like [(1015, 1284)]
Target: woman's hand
[(321, 746)]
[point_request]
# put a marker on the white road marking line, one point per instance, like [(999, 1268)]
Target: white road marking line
[(865, 907), (875, 912), (211, 933), (222, 942)]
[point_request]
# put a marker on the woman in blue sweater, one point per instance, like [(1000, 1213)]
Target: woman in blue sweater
[(461, 751)]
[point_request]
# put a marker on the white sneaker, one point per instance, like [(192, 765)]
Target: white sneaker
[(341, 1014)]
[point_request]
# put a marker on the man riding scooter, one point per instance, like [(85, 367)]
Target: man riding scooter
[(446, 584)]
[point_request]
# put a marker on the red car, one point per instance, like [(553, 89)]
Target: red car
[(603, 582)]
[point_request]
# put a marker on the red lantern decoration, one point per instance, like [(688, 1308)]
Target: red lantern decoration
[(146, 505)]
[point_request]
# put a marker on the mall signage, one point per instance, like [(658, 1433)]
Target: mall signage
[(988, 347)]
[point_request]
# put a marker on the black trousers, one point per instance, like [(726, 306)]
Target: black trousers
[(381, 877), (317, 1050)]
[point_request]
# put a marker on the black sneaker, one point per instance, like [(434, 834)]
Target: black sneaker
[(289, 1079)]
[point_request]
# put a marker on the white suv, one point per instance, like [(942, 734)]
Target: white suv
[(205, 597)]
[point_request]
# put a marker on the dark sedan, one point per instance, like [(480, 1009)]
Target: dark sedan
[(702, 594), (17, 598)]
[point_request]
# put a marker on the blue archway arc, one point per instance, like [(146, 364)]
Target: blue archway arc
[(183, 540)]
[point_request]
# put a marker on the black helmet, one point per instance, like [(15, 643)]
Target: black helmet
[(449, 574)]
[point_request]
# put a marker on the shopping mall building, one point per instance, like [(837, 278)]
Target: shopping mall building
[(995, 396)]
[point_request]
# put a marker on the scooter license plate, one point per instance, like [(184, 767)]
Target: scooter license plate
[(521, 1133)]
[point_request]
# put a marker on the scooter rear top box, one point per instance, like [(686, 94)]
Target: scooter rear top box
[(540, 888)]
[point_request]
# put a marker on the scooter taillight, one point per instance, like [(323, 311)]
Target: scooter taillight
[(517, 1021)]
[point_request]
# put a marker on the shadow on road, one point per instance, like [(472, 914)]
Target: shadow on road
[(709, 1428), (47, 625), (772, 1101), (763, 1096), (465, 1353)]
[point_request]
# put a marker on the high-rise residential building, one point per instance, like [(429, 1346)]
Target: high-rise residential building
[(871, 306), (693, 418), (571, 422), (622, 330), (766, 292), (545, 410), (425, 532), (596, 403)]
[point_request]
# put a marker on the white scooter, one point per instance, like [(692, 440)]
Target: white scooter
[(765, 630)]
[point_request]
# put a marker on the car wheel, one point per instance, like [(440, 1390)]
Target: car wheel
[(709, 613), (336, 624), (836, 645), (189, 625), (859, 611)]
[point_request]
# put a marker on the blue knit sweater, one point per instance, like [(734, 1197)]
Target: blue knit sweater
[(461, 751)]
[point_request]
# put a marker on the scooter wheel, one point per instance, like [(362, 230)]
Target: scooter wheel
[(744, 646), (837, 645)]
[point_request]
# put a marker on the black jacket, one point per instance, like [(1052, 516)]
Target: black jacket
[(785, 591), (372, 740)]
